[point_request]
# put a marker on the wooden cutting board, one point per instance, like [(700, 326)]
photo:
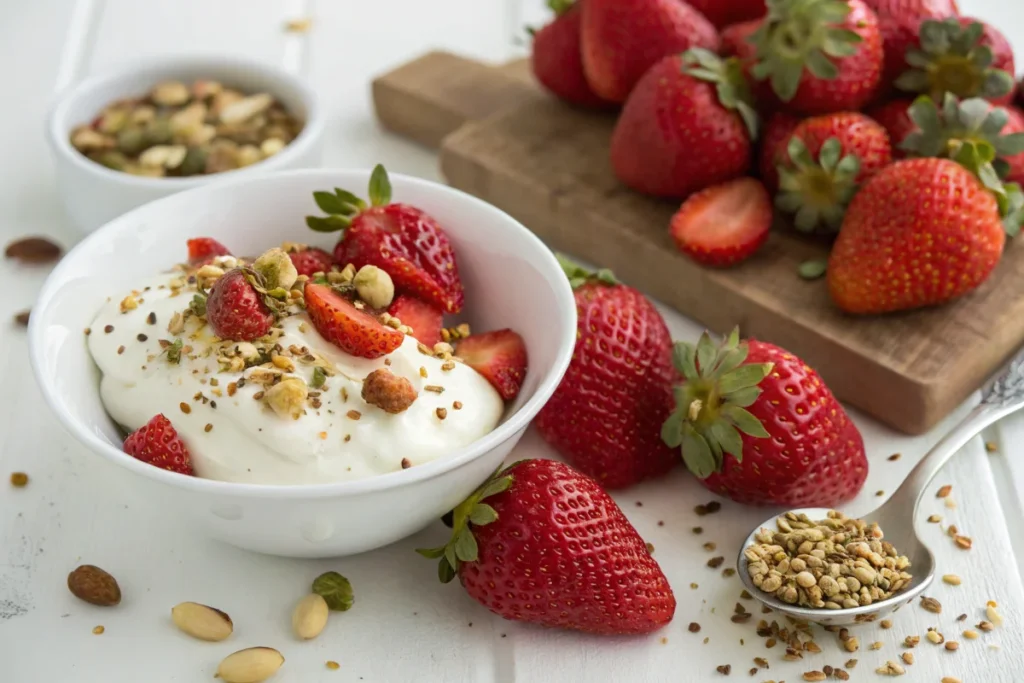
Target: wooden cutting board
[(505, 141)]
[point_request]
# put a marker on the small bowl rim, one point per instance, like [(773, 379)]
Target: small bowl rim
[(58, 127), (562, 298)]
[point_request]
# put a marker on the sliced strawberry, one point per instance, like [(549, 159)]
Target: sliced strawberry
[(353, 331), (499, 356), (158, 444), (399, 239), (312, 260), (424, 319), (724, 224), (202, 249)]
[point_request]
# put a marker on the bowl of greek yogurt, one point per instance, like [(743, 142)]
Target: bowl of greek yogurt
[(290, 393)]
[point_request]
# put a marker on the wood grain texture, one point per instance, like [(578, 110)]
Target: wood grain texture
[(547, 164)]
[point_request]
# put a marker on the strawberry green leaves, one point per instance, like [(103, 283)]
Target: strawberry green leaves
[(731, 84), (341, 205), (462, 546), (579, 276), (785, 45), (710, 417), (817, 191), (953, 60), (970, 133)]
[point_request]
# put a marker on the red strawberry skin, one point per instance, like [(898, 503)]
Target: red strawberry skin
[(914, 8), (424, 319), (312, 260), (409, 246), (354, 331), (1015, 125), (894, 116), (899, 22), (202, 249), (736, 43), (919, 233), (859, 135), (605, 416), (815, 454), (622, 39), (774, 138), (674, 137), (722, 13), (235, 310), (557, 60), (158, 444), (562, 554), (859, 74), (1002, 52), (500, 356)]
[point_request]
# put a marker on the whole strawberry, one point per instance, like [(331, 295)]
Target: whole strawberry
[(622, 39), (311, 260), (399, 239), (899, 22), (235, 309), (722, 13), (826, 160), (158, 444), (894, 116), (1014, 125), (737, 42), (774, 145), (687, 125), (605, 416), (557, 58), (820, 56), (542, 543), (758, 425), (921, 232), (963, 57)]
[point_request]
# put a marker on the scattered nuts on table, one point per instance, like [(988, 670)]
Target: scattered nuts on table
[(834, 563), (201, 621), (178, 130), (95, 586), (250, 665)]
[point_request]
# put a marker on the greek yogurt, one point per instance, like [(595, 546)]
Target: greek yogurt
[(220, 412)]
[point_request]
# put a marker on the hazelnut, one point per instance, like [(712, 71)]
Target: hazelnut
[(277, 269), (374, 286), (287, 397)]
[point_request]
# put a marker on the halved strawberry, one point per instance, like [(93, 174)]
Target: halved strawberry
[(201, 249), (353, 331), (499, 356), (399, 239), (158, 444), (424, 319), (724, 224), (312, 260)]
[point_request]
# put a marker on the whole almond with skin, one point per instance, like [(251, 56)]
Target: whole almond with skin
[(202, 621), (33, 250), (310, 616), (95, 586), (251, 665)]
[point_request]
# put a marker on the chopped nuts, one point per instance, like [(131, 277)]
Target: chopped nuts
[(288, 397), (935, 637), (911, 641), (907, 657), (277, 269), (891, 668)]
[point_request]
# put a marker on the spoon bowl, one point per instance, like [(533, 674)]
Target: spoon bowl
[(896, 517)]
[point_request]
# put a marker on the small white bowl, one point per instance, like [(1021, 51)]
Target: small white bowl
[(511, 280), (94, 194)]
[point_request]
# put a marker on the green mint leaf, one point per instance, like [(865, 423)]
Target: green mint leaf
[(380, 187)]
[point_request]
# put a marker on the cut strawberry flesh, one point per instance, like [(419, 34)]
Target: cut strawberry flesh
[(424, 319), (500, 357), (353, 331), (724, 224), (204, 249)]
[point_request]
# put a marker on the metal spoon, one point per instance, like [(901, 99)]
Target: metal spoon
[(896, 517)]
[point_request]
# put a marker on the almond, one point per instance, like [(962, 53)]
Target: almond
[(202, 621), (94, 585), (33, 250), (310, 616), (251, 665)]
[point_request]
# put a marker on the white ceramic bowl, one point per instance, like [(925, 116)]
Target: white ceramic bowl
[(511, 280), (94, 194)]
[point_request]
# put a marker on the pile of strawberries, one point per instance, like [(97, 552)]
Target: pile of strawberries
[(884, 125)]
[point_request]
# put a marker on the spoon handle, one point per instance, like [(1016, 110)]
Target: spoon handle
[(1003, 396)]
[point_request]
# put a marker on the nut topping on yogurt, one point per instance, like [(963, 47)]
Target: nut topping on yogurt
[(251, 370)]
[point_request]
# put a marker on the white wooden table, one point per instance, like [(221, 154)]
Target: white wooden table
[(404, 626)]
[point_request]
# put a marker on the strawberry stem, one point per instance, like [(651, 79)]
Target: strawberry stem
[(579, 276), (341, 205)]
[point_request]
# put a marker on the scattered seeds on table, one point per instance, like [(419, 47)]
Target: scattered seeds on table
[(98, 630), (993, 615), (950, 679), (716, 562), (814, 676), (95, 586), (970, 634), (852, 645), (834, 563), (877, 645), (944, 491), (934, 519), (891, 668), (850, 663), (911, 641), (710, 547), (745, 595), (694, 627), (907, 657), (931, 605), (950, 504), (698, 530), (962, 617), (990, 446), (708, 508), (951, 579), (885, 623), (33, 250), (333, 665), (724, 669), (963, 542), (985, 626), (19, 480), (952, 645), (894, 457), (298, 25), (935, 637)]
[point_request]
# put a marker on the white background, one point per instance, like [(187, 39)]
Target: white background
[(404, 626)]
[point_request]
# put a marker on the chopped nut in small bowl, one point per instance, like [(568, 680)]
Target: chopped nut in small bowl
[(125, 138)]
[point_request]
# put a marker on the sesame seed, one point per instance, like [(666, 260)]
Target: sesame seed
[(19, 479), (120, 349), (108, 329), (348, 437), (151, 318), (944, 491), (141, 337), (98, 630), (88, 331), (894, 457), (208, 427), (423, 371), (185, 408), (354, 414), (333, 665)]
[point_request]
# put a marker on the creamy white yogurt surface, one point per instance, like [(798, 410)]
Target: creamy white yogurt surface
[(240, 438)]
